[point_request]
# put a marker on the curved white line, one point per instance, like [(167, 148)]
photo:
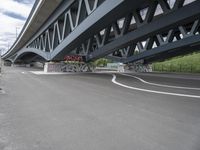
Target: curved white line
[(161, 85), (152, 91)]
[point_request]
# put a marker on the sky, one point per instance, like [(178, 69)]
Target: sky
[(13, 14)]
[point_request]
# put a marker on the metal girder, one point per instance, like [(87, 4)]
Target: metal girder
[(149, 30), (178, 45), (57, 31), (67, 31), (24, 51), (123, 30)]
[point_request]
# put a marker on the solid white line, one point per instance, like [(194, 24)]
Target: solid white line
[(161, 85), (53, 73), (152, 91)]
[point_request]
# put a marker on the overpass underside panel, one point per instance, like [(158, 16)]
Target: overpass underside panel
[(28, 57)]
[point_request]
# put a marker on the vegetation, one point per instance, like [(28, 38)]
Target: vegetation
[(102, 62), (188, 63)]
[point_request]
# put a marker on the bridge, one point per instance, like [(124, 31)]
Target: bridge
[(121, 30), (102, 110)]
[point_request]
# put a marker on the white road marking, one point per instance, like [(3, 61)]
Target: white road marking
[(52, 73), (161, 85), (152, 91)]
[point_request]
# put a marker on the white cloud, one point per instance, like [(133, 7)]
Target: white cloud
[(10, 23), (16, 7)]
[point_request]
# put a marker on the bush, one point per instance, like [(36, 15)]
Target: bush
[(188, 63), (102, 62)]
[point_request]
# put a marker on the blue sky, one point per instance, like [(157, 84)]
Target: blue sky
[(13, 14)]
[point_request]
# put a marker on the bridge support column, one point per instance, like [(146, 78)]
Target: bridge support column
[(7, 63), (138, 67), (77, 67), (52, 67), (67, 67)]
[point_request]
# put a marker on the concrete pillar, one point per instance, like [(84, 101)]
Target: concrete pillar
[(52, 67)]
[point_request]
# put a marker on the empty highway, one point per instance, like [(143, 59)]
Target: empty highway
[(98, 111)]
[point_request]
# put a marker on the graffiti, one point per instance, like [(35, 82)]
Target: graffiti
[(77, 67), (138, 67), (73, 58)]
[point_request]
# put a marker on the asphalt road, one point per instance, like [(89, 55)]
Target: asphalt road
[(90, 112)]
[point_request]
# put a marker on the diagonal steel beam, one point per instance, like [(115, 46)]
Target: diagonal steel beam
[(187, 42), (182, 15)]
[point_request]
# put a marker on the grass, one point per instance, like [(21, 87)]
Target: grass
[(187, 64)]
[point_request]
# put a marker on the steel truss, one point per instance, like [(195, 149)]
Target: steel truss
[(149, 30), (64, 25), (159, 27)]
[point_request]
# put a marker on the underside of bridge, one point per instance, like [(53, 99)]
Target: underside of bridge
[(28, 58), (124, 31)]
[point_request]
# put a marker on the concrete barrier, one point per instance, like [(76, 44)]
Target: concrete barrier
[(52, 67), (67, 67)]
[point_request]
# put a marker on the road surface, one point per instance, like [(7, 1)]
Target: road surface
[(99, 111)]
